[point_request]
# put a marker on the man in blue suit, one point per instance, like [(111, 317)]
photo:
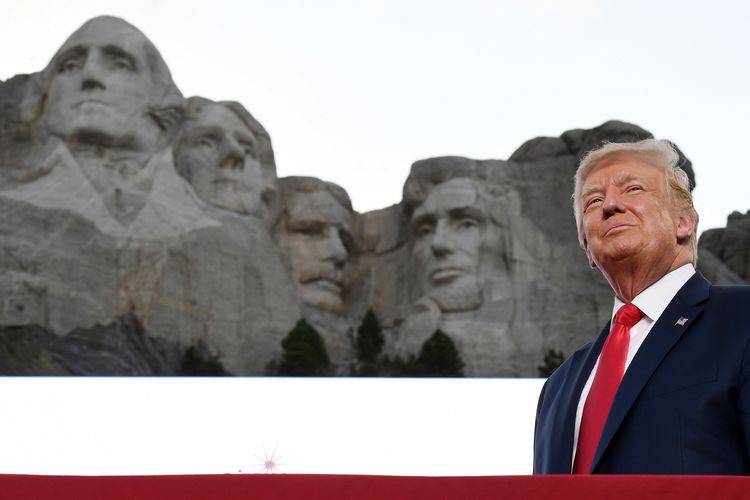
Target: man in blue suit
[(665, 388)]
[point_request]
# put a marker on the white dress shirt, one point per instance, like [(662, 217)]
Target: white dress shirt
[(652, 301)]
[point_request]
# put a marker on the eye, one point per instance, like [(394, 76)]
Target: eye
[(592, 201), (311, 230), (423, 230), (206, 142), (634, 189), (70, 64), (249, 149), (467, 223), (121, 63)]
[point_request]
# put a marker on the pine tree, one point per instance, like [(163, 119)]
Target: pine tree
[(304, 353), (197, 361), (370, 338), (439, 357), (552, 360)]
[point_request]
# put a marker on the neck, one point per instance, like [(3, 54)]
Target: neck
[(628, 278)]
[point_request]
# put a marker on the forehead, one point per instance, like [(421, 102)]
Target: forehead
[(618, 171), (104, 32), (456, 193), (220, 117), (319, 206)]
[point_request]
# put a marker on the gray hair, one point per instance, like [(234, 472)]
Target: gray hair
[(659, 154), (428, 174), (289, 186)]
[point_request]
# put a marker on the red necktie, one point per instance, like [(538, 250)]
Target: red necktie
[(603, 389)]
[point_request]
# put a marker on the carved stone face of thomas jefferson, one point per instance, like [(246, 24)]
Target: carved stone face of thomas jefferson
[(447, 234), (101, 87), (316, 239), (218, 155)]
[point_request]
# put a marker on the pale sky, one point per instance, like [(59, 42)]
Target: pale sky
[(355, 91)]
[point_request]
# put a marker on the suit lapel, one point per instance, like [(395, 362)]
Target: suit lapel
[(688, 303)]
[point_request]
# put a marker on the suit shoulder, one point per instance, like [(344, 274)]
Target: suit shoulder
[(730, 294), (728, 308)]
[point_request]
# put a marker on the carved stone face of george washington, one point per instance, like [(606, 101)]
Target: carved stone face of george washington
[(101, 88)]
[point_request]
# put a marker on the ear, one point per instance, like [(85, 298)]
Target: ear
[(685, 225), (588, 254)]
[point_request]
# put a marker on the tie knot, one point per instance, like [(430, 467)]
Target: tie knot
[(628, 315)]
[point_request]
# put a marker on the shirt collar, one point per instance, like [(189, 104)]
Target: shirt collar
[(654, 299)]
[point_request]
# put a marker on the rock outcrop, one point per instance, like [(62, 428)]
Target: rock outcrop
[(731, 246), (143, 233)]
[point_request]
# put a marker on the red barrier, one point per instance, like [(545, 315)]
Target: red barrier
[(332, 487)]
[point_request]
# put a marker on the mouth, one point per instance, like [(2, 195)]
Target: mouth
[(326, 285), (446, 274), (617, 228), (85, 102)]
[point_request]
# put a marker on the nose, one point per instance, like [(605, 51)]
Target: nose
[(231, 153), (612, 203), (334, 249), (441, 243), (91, 73)]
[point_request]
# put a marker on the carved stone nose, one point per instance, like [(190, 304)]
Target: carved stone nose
[(92, 84)]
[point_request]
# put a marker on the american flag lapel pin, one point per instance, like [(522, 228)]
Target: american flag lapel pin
[(681, 321)]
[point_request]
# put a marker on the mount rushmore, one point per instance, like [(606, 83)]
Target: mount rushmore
[(139, 225)]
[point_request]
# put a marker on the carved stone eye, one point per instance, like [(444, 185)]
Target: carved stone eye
[(206, 142), (424, 230), (467, 223), (122, 63), (69, 65), (312, 229), (249, 149)]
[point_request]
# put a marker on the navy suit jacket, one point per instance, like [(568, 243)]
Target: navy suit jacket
[(683, 406)]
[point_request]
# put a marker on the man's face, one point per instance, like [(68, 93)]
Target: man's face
[(627, 213), (447, 232), (219, 156), (101, 86), (317, 240)]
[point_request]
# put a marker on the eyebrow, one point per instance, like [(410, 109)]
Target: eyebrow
[(114, 50), (619, 180), (246, 137), (206, 129), (305, 221), (422, 218), (453, 213), (76, 50), (468, 211), (590, 191)]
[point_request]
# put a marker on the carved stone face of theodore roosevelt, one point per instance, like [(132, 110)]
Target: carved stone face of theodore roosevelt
[(316, 239)]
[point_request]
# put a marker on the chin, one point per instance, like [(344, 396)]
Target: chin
[(330, 303), (464, 294), (319, 296), (239, 200), (620, 251), (232, 205)]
